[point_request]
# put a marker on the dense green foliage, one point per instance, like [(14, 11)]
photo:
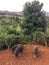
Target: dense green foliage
[(8, 31), (32, 28), (34, 20)]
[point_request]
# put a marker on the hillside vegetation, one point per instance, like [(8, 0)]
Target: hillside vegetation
[(32, 27)]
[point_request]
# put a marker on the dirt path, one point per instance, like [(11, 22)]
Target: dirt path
[(7, 58)]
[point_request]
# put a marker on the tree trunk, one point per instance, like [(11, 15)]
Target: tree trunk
[(45, 43), (8, 46)]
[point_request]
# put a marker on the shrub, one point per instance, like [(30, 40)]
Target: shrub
[(39, 37)]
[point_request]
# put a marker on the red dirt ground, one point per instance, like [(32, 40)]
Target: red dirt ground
[(27, 58)]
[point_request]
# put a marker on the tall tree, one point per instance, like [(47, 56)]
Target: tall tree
[(34, 18)]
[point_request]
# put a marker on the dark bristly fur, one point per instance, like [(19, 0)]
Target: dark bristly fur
[(18, 50)]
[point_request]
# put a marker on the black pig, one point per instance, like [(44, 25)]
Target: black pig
[(14, 47), (18, 50), (35, 51)]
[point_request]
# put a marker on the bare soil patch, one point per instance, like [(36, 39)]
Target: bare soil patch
[(27, 58)]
